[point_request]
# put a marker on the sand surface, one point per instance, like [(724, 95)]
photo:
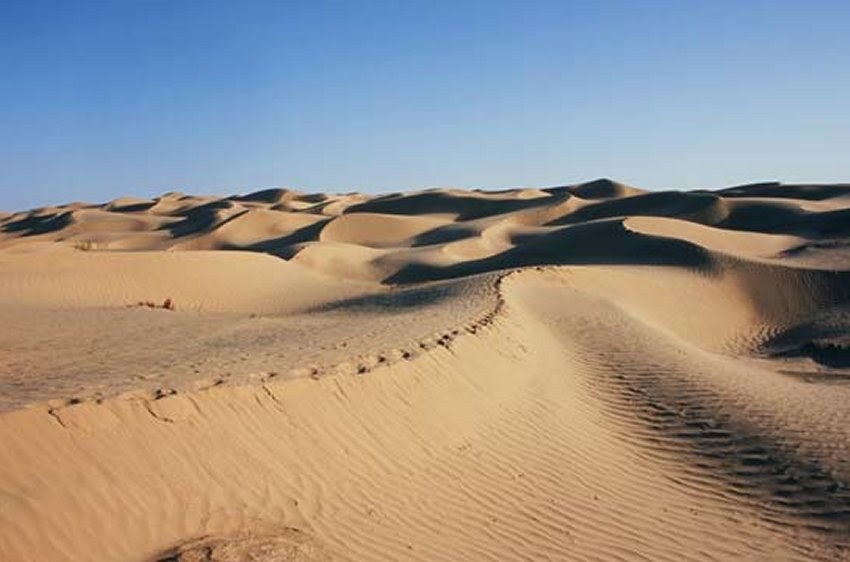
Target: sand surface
[(588, 372)]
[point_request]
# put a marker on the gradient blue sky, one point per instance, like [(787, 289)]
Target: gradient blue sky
[(102, 99)]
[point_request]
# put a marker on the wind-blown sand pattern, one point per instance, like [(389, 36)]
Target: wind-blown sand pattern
[(589, 372)]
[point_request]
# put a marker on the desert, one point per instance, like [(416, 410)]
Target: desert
[(593, 371)]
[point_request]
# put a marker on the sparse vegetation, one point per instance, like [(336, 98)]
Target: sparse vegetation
[(167, 304), (86, 245)]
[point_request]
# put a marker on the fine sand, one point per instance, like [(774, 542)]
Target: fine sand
[(588, 372)]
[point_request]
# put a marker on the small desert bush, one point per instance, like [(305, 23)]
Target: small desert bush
[(86, 245), (167, 304)]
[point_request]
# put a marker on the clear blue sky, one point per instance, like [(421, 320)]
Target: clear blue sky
[(101, 99)]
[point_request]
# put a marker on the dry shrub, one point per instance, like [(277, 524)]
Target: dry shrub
[(167, 304)]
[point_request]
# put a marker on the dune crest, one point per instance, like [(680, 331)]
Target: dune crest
[(581, 372)]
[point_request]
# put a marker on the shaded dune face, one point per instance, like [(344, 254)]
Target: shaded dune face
[(581, 372), (443, 233)]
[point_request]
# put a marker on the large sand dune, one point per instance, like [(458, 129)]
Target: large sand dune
[(588, 372)]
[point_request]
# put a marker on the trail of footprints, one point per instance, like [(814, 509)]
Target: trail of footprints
[(359, 365)]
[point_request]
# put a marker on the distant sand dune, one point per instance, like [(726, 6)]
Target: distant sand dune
[(586, 372)]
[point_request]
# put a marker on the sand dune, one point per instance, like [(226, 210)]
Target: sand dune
[(586, 372)]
